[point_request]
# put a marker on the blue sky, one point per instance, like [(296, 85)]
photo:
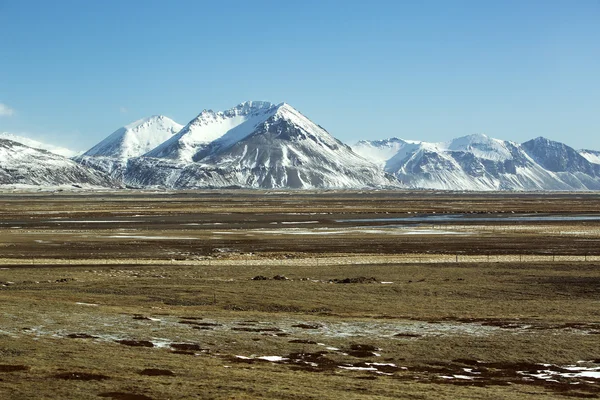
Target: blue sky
[(72, 72)]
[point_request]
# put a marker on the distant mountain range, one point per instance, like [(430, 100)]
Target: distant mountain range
[(477, 162), (264, 145)]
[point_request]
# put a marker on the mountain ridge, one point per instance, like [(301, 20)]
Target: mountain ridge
[(255, 144), (478, 162), (259, 144)]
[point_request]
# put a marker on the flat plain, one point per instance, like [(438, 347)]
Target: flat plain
[(299, 295)]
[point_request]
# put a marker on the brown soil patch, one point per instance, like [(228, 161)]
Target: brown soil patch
[(186, 346), (136, 343), (360, 279), (362, 350), (156, 372), (307, 326), (14, 368), (246, 329), (81, 336), (407, 335)]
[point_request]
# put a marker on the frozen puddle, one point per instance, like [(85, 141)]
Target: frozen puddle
[(298, 222), (431, 218), (150, 237), (70, 221), (350, 231)]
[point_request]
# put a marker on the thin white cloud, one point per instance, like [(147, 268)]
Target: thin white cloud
[(123, 110), (6, 111)]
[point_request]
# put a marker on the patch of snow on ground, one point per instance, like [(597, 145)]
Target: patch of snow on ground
[(272, 358), (351, 368), (577, 372)]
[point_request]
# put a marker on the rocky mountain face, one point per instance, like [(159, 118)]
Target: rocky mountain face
[(558, 157), (27, 166), (255, 145), (477, 162)]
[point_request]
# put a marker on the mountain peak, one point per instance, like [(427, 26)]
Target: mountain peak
[(136, 138), (210, 126), (557, 157), (469, 139), (249, 107), (482, 146), (153, 119), (541, 139)]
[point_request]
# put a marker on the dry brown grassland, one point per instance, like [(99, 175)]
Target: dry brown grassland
[(299, 295)]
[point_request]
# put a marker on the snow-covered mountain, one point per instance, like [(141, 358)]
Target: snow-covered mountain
[(209, 126), (38, 145), (258, 145), (24, 165), (565, 163), (136, 139), (112, 154), (478, 162)]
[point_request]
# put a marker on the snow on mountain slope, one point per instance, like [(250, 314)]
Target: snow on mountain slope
[(208, 126), (137, 138), (481, 146), (24, 165), (379, 151), (592, 156), (289, 150), (410, 151), (38, 145), (477, 162), (113, 167), (261, 145), (463, 170)]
